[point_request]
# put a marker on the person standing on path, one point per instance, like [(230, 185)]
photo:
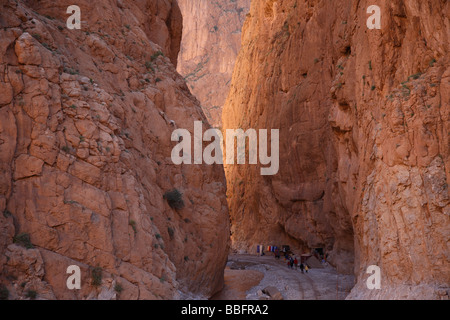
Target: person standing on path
[(295, 263), (306, 268), (302, 267)]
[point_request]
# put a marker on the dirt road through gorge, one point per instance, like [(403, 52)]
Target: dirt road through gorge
[(246, 275)]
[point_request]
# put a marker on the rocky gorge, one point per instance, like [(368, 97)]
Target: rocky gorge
[(86, 177), (364, 123), (87, 118)]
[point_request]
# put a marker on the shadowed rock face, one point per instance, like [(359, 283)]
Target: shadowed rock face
[(364, 138), (211, 42), (86, 118)]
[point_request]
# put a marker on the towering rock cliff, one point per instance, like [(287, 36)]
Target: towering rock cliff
[(211, 42), (86, 176), (364, 137)]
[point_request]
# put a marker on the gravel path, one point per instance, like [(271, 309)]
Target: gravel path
[(317, 284)]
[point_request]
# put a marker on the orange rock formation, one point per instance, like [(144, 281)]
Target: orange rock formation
[(86, 118), (211, 42), (364, 137)]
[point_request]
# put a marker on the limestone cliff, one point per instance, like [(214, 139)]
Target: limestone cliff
[(211, 42), (86, 118), (364, 137)]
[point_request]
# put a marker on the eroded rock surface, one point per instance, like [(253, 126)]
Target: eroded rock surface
[(86, 118), (364, 138), (211, 42)]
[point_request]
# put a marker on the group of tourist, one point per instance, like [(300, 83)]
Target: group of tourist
[(292, 263)]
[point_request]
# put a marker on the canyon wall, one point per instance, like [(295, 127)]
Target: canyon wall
[(86, 118), (210, 44), (364, 138)]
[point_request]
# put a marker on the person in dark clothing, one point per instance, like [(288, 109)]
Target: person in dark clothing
[(302, 267), (291, 262)]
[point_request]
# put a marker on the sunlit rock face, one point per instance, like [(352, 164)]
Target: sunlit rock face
[(364, 138), (86, 118), (210, 44)]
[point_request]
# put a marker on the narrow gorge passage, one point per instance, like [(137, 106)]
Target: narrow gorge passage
[(363, 124), (210, 43), (170, 149)]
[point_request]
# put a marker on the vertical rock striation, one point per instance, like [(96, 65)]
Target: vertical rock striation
[(364, 138), (86, 118), (211, 42)]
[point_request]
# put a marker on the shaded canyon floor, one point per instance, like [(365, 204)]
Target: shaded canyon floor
[(246, 275)]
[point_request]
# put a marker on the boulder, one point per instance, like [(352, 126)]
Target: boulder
[(273, 293)]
